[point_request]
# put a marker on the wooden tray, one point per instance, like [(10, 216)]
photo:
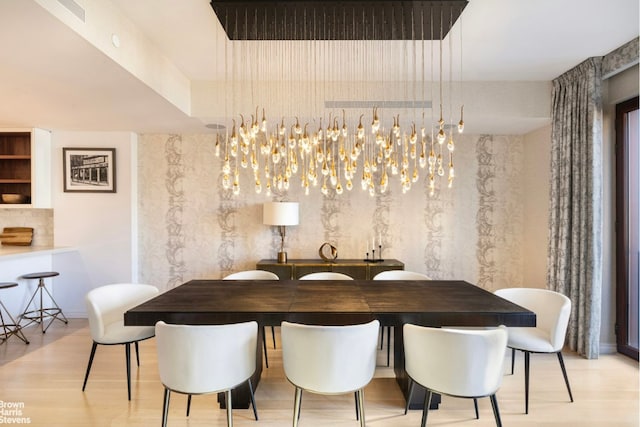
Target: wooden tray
[(17, 236)]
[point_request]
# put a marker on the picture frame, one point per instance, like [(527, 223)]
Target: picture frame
[(89, 170)]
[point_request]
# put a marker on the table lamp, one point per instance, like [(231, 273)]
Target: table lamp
[(280, 214)]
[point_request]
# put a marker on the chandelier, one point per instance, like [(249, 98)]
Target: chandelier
[(338, 145)]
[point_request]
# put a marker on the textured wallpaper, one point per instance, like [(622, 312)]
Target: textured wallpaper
[(190, 227)]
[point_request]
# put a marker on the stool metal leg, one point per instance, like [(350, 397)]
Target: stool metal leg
[(39, 314), (9, 329)]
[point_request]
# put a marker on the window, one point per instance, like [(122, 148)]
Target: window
[(627, 228)]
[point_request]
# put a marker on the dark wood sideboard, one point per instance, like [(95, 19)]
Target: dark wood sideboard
[(356, 268)]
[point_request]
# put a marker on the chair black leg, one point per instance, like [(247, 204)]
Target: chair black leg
[(165, 406), (513, 358), (388, 344), (273, 336), (475, 405), (526, 381), (425, 409), (137, 354), (253, 400), (355, 394), (406, 406), (264, 347), (360, 399), (127, 353), (382, 328), (564, 373), (188, 404), (93, 353), (496, 411)]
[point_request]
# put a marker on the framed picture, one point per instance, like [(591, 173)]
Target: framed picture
[(89, 170)]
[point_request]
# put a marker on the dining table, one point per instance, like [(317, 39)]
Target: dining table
[(434, 303)]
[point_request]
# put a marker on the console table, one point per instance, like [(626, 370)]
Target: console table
[(356, 268)]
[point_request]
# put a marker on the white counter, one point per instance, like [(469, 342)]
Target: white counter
[(7, 252), (18, 260)]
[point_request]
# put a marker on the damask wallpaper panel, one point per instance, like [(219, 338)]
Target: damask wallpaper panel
[(191, 228)]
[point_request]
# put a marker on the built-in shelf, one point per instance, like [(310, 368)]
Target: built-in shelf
[(15, 157), (15, 163)]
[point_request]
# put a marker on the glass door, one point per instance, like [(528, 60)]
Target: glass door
[(627, 229)]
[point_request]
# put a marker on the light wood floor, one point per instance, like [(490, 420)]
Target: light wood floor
[(45, 379)]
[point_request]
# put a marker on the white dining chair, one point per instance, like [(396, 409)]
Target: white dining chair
[(455, 362), (252, 275), (400, 275), (326, 275), (106, 306), (329, 360), (552, 311), (396, 275), (205, 359), (257, 275)]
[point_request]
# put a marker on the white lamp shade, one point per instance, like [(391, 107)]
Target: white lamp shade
[(280, 213)]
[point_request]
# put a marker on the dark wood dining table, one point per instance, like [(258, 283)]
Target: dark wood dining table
[(435, 303)]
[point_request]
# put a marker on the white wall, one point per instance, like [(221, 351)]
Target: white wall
[(100, 226), (190, 228), (537, 151)]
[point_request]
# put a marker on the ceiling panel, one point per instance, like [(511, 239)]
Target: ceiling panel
[(337, 20)]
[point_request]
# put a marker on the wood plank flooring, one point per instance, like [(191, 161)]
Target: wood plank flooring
[(41, 383)]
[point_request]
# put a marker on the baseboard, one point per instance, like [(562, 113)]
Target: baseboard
[(608, 348)]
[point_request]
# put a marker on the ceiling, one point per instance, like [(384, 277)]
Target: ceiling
[(54, 78)]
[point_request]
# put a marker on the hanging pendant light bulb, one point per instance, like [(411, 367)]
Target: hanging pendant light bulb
[(254, 124), (234, 137), (242, 131), (441, 137), (375, 123), (345, 130), (263, 126), (360, 128), (324, 188), (297, 128), (335, 132)]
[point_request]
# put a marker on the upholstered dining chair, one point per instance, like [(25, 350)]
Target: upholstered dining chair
[(204, 359), (396, 275), (106, 306), (326, 275), (455, 362), (329, 360), (400, 275), (552, 311), (257, 275)]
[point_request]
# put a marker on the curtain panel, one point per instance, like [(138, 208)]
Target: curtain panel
[(575, 217)]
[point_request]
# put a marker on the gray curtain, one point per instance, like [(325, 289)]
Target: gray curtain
[(575, 217)]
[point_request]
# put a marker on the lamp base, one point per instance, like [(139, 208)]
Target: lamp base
[(282, 257)]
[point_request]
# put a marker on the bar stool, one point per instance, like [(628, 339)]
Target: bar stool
[(38, 314), (12, 328)]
